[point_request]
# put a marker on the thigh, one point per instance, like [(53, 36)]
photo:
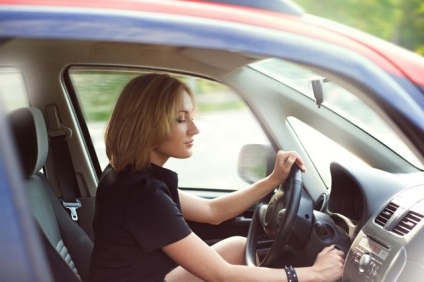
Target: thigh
[(231, 249)]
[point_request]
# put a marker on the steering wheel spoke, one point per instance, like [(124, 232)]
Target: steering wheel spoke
[(262, 213), (277, 219)]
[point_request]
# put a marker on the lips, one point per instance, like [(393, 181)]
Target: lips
[(189, 143)]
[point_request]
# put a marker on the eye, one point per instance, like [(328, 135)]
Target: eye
[(180, 119)]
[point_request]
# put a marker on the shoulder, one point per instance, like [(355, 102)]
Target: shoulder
[(146, 193), (148, 187)]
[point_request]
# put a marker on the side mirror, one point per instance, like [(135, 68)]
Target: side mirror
[(256, 161)]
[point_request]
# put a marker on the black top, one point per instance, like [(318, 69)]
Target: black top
[(136, 215)]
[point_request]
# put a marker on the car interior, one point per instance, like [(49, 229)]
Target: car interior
[(372, 207), (64, 235)]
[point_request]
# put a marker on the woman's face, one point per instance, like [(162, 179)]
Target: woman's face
[(180, 142)]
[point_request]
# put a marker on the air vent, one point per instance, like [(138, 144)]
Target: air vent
[(407, 223), (385, 215)]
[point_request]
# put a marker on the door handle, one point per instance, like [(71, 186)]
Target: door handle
[(242, 220)]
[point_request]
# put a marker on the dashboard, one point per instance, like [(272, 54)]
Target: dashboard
[(382, 214)]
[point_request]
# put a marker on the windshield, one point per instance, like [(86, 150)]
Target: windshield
[(339, 100)]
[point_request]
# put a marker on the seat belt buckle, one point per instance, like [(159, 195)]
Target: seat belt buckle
[(72, 207)]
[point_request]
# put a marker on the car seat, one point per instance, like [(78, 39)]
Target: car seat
[(66, 236)]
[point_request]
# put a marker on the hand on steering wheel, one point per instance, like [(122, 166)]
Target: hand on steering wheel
[(284, 161)]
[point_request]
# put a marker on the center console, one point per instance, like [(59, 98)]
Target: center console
[(389, 247), (372, 259)]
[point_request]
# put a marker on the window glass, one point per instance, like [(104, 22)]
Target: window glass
[(321, 149), (224, 121), (339, 100), (13, 93)]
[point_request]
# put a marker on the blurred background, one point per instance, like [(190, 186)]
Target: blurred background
[(398, 21)]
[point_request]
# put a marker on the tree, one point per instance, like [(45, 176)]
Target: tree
[(411, 25), (398, 21)]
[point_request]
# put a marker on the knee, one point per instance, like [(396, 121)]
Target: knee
[(234, 243), (239, 248), (232, 249), (239, 242)]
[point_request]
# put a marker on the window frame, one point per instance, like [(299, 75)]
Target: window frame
[(83, 124)]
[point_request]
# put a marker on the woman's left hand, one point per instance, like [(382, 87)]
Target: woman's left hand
[(283, 163)]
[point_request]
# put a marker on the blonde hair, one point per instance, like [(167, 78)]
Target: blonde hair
[(142, 119)]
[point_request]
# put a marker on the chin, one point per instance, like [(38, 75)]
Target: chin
[(184, 156)]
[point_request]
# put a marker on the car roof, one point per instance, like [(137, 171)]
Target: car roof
[(280, 6)]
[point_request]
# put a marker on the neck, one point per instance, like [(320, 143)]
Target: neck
[(158, 159)]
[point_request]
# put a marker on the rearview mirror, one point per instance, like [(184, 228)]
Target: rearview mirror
[(256, 161)]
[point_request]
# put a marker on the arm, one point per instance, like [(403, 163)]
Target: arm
[(223, 208), (198, 258)]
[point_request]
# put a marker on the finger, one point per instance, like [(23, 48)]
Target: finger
[(301, 164), (339, 252), (299, 161), (284, 160), (293, 157), (328, 249)]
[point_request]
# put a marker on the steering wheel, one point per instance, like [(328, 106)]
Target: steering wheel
[(277, 219)]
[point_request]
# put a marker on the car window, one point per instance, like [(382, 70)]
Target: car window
[(13, 92), (321, 149), (224, 120), (339, 100)]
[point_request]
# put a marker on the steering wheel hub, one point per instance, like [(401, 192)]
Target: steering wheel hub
[(273, 214)]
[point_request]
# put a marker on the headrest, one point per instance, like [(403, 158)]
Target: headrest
[(31, 139)]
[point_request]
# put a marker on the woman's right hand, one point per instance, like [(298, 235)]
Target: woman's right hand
[(284, 160), (329, 264)]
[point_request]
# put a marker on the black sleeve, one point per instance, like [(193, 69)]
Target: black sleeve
[(153, 217)]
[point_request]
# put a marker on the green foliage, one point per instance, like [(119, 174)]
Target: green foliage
[(411, 25), (98, 92), (398, 21)]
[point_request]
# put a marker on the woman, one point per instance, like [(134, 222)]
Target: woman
[(140, 225)]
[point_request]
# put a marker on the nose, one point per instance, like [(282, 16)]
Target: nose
[(192, 128)]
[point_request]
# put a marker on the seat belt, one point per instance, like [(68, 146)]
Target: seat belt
[(64, 169)]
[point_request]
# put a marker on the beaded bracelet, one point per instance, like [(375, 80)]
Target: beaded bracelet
[(291, 274)]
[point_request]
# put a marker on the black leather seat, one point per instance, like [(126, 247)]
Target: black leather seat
[(66, 236)]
